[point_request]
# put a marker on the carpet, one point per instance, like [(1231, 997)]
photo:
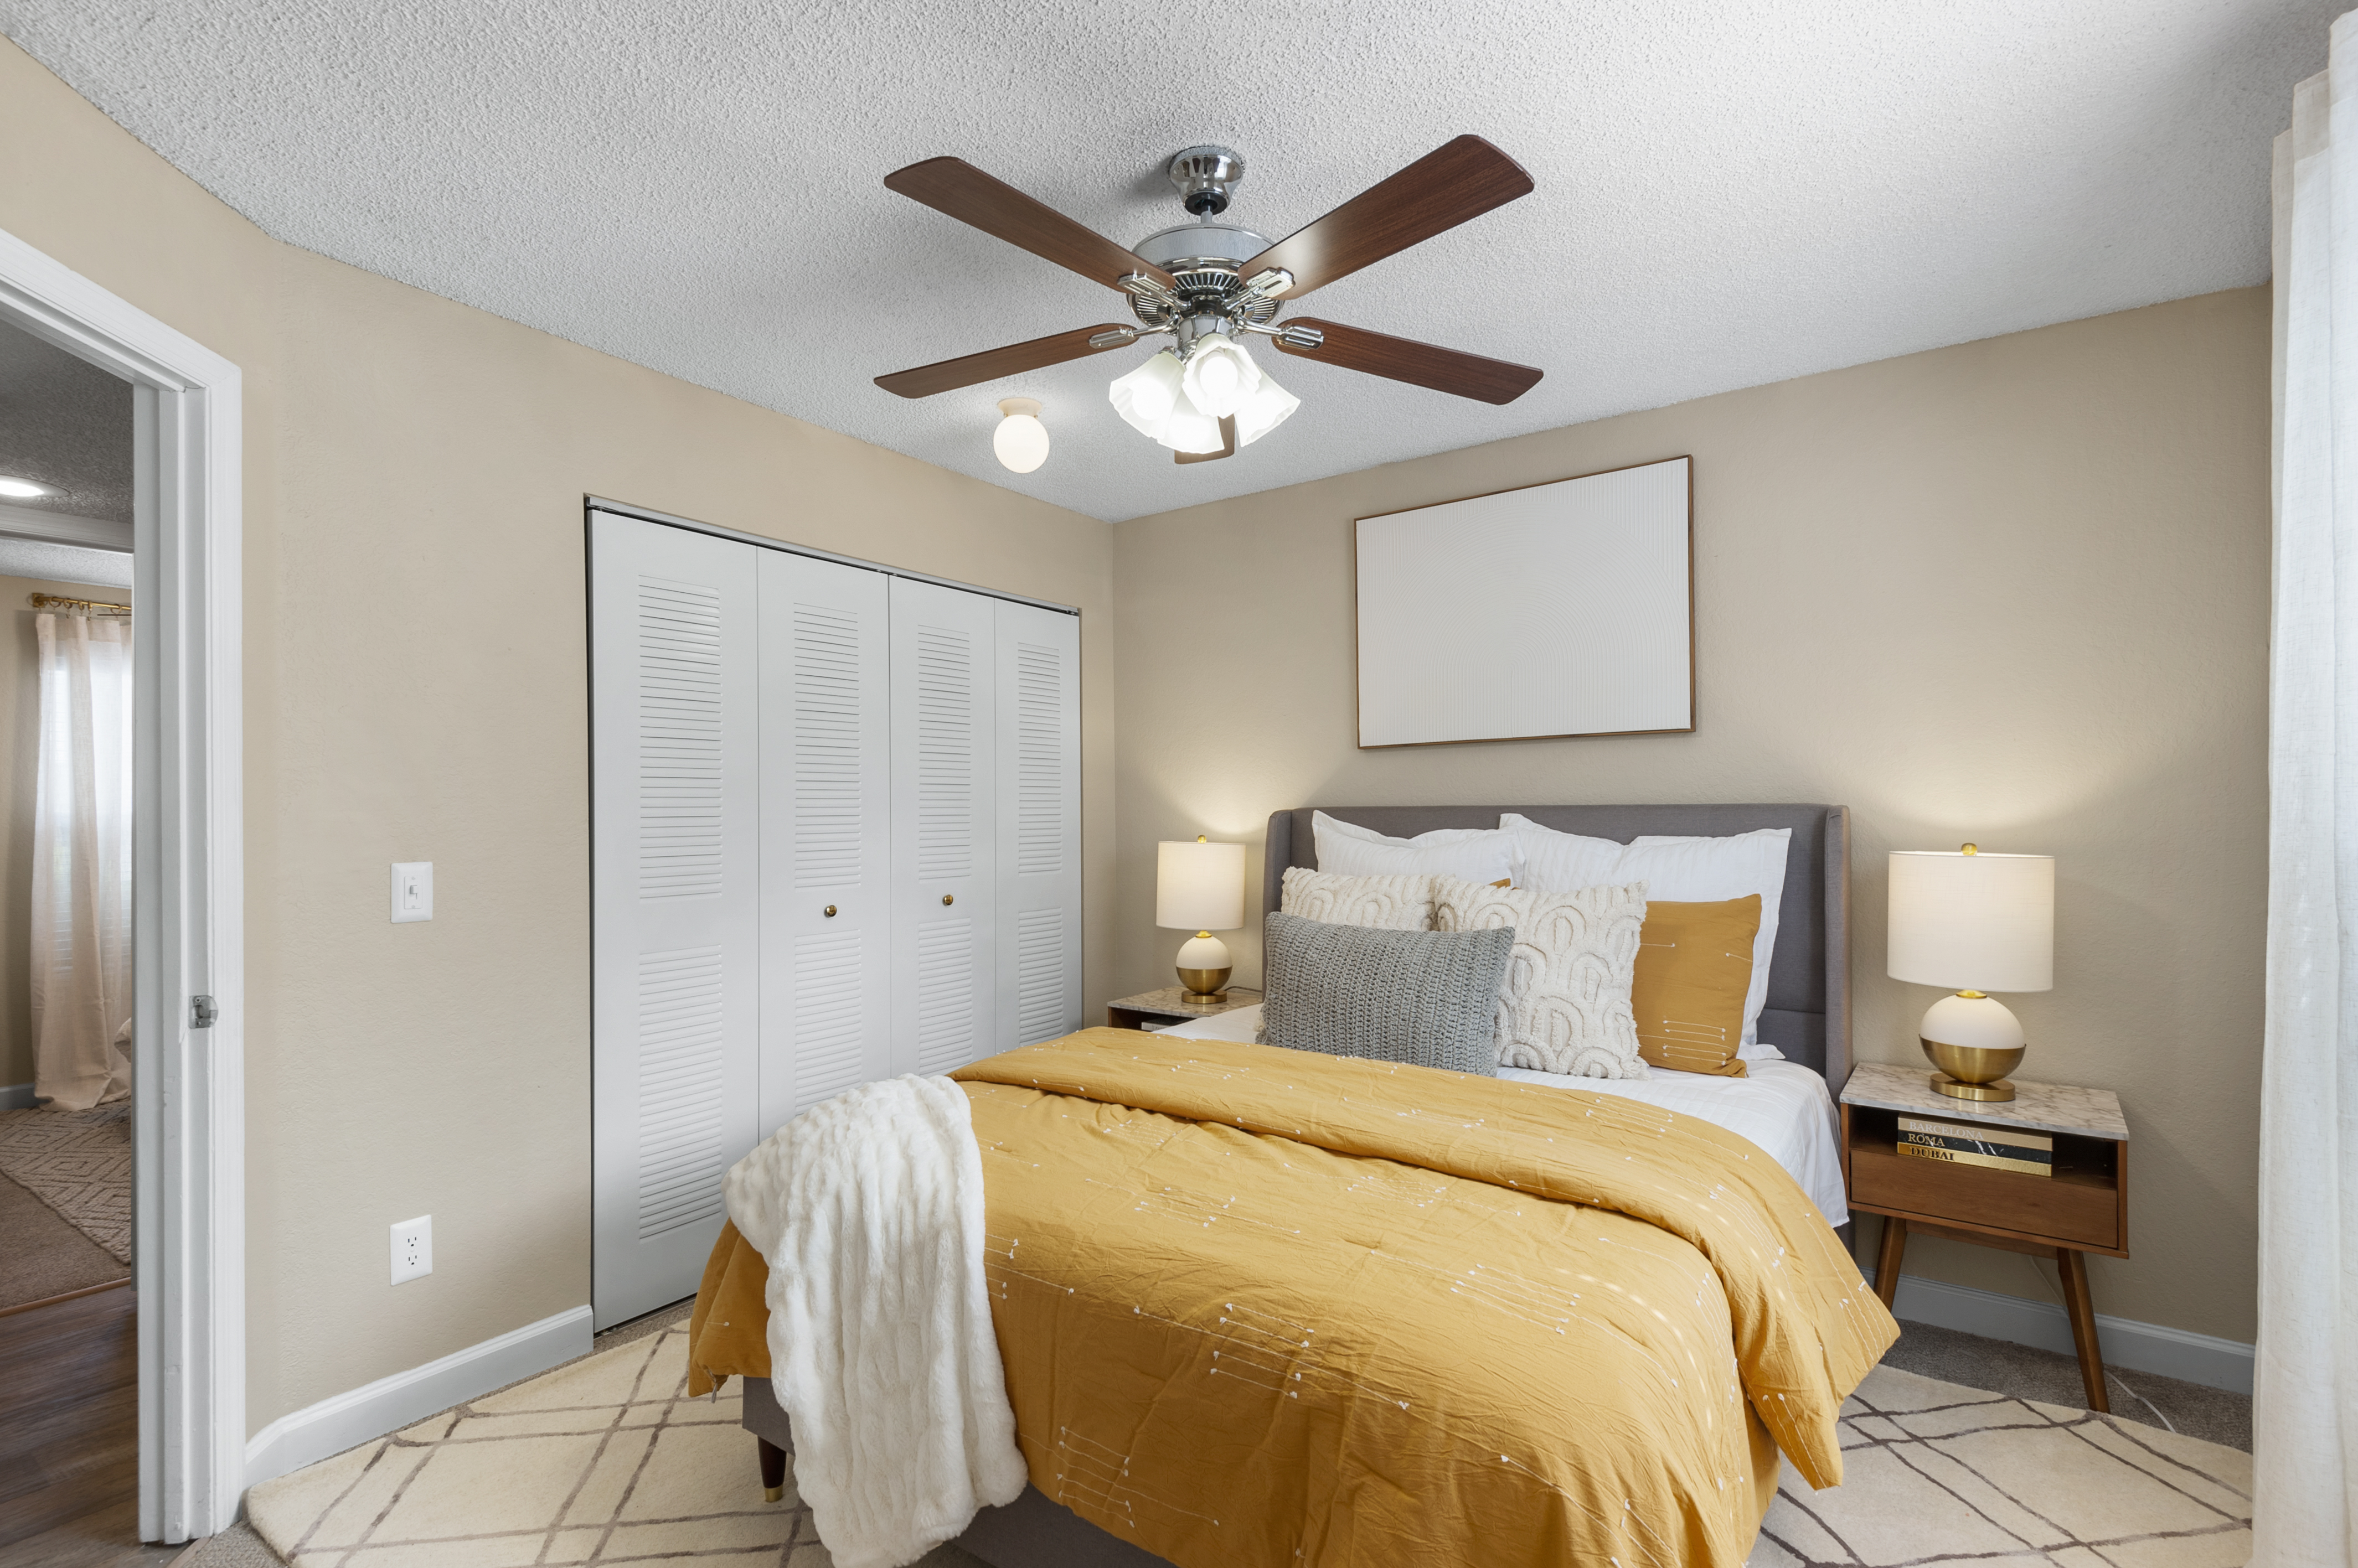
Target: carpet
[(41, 1256), (2027, 1372), (605, 1460), (77, 1162)]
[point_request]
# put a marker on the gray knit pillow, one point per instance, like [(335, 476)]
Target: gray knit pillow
[(1425, 997)]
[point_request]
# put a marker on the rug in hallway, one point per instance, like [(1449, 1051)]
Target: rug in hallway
[(78, 1162)]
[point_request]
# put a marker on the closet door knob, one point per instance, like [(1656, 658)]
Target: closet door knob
[(946, 898), (829, 911)]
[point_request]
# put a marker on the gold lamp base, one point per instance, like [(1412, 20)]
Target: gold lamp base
[(1205, 985), (1972, 1072)]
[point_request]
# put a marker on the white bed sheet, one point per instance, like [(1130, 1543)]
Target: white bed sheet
[(1782, 1108)]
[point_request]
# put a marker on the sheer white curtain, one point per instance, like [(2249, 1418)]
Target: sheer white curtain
[(81, 862), (2305, 1415)]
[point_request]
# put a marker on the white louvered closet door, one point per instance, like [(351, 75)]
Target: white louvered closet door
[(944, 830), (674, 904), (826, 930), (1039, 678)]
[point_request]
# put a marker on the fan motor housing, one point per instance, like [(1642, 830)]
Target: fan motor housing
[(1204, 259)]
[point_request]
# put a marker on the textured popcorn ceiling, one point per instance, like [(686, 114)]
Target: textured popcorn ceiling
[(66, 423), (1729, 194)]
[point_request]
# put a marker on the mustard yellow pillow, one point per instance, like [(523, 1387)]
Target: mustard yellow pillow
[(1695, 965)]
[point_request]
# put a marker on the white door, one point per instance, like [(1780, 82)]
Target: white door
[(944, 828), (1039, 696), (826, 930), (675, 856)]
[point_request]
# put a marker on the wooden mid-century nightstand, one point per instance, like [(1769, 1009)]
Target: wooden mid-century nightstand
[(2082, 1208), (1170, 1005)]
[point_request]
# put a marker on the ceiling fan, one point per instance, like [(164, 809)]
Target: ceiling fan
[(1210, 285)]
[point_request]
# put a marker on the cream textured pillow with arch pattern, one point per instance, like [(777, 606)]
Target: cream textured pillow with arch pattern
[(1385, 902), (1565, 1007)]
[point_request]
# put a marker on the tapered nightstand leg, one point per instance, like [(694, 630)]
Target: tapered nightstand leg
[(2074, 1268), (1887, 1265)]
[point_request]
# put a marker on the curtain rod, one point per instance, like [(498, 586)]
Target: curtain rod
[(59, 602)]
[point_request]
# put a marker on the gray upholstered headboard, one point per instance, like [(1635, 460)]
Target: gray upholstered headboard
[(1807, 1015)]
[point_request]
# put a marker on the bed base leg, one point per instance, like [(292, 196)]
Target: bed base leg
[(774, 1470)]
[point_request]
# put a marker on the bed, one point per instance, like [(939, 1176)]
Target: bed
[(1805, 1017)]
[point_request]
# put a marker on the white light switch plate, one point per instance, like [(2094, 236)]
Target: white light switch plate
[(413, 890), (412, 1248)]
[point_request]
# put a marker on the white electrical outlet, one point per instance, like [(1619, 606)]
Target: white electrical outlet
[(413, 890), (412, 1248)]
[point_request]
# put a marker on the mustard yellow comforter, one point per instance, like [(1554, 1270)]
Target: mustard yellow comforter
[(1264, 1307)]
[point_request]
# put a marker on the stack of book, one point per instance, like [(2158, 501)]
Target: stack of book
[(1998, 1148)]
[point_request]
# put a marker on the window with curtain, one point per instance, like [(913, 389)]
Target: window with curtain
[(81, 862)]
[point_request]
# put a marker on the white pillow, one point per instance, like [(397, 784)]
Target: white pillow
[(1675, 870), (1386, 903), (1478, 854)]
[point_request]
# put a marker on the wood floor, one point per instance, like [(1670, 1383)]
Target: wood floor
[(69, 1436)]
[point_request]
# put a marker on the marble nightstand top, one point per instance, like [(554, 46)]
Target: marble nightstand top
[(1171, 1000), (2048, 1107)]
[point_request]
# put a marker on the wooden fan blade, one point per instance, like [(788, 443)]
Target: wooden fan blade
[(1227, 445), (1461, 179), (991, 364), (1420, 364), (963, 192)]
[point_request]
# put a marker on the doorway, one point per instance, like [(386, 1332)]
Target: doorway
[(164, 445), (69, 1344)]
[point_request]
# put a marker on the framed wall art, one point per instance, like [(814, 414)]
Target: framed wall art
[(1564, 608)]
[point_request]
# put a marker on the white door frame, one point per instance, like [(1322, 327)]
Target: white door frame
[(188, 886)]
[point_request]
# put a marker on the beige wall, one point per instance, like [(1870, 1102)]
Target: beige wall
[(415, 690), (2014, 591), (20, 733)]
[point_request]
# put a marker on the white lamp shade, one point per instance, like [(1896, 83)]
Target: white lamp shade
[(1973, 922), (1021, 443), (1264, 411), (1219, 376), (1199, 886), (1189, 428), (1145, 396)]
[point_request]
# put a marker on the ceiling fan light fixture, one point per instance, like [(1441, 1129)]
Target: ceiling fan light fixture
[(1219, 375), (1191, 429), (1021, 442), (1270, 407), (1146, 397)]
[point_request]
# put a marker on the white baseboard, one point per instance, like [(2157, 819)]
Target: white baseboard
[(390, 1403), (2127, 1343), (16, 1096)]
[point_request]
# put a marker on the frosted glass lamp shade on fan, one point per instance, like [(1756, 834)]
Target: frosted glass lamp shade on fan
[(1200, 887), (1974, 923)]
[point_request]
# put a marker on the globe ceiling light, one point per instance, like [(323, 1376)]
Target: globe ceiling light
[(1269, 407), (1219, 375), (1021, 441), (1146, 397)]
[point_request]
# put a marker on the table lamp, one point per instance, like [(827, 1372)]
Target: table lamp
[(1200, 887), (1975, 923)]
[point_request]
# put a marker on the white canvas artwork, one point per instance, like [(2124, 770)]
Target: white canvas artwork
[(1558, 610)]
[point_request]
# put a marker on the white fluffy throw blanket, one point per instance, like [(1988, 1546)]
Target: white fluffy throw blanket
[(869, 1210)]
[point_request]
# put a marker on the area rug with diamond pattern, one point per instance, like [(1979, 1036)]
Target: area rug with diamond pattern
[(607, 1461), (78, 1162)]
